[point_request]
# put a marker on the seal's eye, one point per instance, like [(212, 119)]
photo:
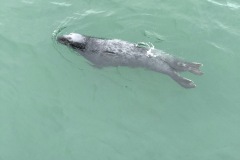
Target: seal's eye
[(77, 45)]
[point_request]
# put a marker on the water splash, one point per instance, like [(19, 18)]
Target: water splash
[(149, 46)]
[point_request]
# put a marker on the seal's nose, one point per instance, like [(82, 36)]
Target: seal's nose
[(62, 39)]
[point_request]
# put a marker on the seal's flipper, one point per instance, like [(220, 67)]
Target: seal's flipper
[(196, 71), (179, 64), (195, 68), (184, 82), (194, 64), (192, 67)]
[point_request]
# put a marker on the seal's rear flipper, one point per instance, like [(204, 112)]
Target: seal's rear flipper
[(192, 67), (184, 82), (195, 68)]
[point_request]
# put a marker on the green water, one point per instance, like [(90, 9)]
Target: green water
[(55, 106)]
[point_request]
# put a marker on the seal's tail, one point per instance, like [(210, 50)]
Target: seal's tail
[(192, 67), (180, 65)]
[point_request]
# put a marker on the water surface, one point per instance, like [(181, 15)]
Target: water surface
[(54, 105)]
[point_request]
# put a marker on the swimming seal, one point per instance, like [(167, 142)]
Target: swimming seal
[(114, 52)]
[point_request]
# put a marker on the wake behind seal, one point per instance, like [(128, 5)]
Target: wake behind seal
[(114, 52)]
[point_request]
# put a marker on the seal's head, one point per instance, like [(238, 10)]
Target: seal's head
[(73, 40)]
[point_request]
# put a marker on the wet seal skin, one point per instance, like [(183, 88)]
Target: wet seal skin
[(114, 52)]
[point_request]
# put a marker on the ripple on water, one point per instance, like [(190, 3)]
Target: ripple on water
[(64, 4), (229, 29), (27, 2), (89, 12), (220, 47), (230, 5)]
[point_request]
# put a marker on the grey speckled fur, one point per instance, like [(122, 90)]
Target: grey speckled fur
[(114, 52)]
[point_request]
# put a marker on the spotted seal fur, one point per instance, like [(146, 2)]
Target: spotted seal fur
[(114, 52)]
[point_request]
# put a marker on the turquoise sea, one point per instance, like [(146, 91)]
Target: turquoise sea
[(55, 106)]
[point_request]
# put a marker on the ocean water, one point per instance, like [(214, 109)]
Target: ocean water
[(55, 106)]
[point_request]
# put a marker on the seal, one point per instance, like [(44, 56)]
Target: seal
[(114, 52)]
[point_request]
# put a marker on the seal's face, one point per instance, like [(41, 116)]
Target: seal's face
[(73, 40)]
